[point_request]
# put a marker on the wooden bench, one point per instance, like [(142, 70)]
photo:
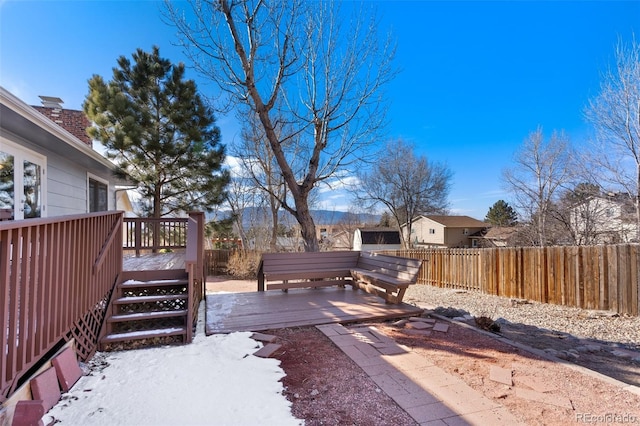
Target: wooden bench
[(309, 269), (385, 276)]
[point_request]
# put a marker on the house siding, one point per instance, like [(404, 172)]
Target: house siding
[(443, 235), (457, 238), (421, 234), (67, 189), (67, 186)]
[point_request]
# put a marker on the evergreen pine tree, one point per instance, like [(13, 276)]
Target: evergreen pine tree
[(160, 134), (501, 214)]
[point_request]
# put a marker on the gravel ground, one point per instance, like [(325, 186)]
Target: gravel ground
[(605, 326)]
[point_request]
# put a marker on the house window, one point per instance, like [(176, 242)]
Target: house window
[(432, 231), (466, 231), (474, 243), (98, 195), (22, 182)]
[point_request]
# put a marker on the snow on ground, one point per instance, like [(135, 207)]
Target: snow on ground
[(213, 381)]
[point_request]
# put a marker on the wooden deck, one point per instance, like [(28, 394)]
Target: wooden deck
[(153, 261), (266, 310), (259, 311)]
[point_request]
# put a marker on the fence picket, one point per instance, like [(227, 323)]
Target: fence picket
[(595, 277), (603, 297)]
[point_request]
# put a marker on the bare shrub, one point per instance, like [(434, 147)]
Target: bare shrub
[(243, 264)]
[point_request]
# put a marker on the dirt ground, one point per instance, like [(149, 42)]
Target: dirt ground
[(225, 284), (619, 368), (327, 388)]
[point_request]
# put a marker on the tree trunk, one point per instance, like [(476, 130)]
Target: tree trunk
[(309, 234), (406, 239), (307, 226)]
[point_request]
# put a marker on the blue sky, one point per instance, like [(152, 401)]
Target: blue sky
[(477, 77)]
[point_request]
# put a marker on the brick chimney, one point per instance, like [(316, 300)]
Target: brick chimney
[(73, 121)]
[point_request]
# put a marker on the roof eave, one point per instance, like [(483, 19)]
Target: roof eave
[(40, 120)]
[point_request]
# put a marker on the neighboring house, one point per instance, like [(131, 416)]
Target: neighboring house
[(335, 236), (45, 169), (372, 239), (326, 231), (444, 231), (605, 219), (283, 244), (496, 236), (123, 202), (341, 240), (294, 244)]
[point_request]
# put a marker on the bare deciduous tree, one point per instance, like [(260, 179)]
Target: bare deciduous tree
[(541, 167), (295, 61), (615, 115), (407, 185), (241, 195), (258, 164)]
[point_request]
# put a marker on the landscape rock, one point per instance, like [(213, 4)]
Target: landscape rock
[(450, 312)]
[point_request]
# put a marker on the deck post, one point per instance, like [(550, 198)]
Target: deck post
[(260, 277), (194, 264)]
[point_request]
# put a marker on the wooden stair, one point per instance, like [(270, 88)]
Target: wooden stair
[(148, 308)]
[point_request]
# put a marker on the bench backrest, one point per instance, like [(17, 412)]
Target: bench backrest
[(395, 266), (285, 262)]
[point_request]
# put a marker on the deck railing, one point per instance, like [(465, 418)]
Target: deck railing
[(56, 278), (605, 277), (148, 233)]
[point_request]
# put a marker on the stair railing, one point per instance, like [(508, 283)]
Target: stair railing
[(56, 276)]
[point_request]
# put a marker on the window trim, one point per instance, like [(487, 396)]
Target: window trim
[(91, 176)]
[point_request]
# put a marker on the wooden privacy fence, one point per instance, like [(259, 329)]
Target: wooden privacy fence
[(216, 261), (56, 278), (589, 277)]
